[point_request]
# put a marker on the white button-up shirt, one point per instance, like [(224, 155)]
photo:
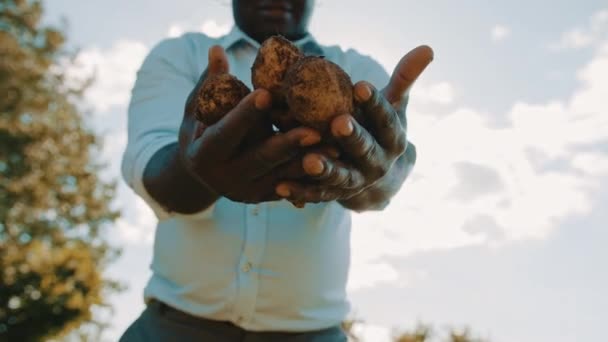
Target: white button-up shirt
[(267, 266)]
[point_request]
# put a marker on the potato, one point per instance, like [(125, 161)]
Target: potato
[(275, 57), (218, 95), (317, 91), (306, 91)]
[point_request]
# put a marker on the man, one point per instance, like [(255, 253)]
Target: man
[(233, 260)]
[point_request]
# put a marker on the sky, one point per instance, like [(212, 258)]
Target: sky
[(503, 222)]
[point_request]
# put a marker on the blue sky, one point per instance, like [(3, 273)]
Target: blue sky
[(501, 225)]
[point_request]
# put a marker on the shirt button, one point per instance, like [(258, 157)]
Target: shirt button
[(255, 211), (247, 267)]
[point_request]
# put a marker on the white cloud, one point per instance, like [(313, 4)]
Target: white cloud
[(209, 27), (372, 333), (593, 98), (500, 32), (138, 227), (578, 38), (438, 93), (114, 70), (599, 20), (538, 170), (367, 275), (112, 147), (137, 224), (175, 30), (213, 29), (591, 164)]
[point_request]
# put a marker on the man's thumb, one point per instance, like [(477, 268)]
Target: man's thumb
[(218, 62), (407, 71)]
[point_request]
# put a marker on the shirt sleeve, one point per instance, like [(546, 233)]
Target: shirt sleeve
[(155, 111)]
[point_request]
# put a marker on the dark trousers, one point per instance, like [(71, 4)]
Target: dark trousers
[(160, 322)]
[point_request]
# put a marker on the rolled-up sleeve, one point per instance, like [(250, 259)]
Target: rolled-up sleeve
[(155, 111)]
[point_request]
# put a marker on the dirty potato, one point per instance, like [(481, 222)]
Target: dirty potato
[(275, 57), (218, 95), (317, 91)]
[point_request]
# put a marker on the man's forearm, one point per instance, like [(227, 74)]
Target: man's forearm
[(166, 180), (378, 196)]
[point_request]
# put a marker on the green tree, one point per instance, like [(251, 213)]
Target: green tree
[(421, 333), (53, 205)]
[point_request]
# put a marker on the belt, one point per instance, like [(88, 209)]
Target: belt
[(168, 311)]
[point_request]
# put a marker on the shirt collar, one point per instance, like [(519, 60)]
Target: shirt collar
[(307, 44)]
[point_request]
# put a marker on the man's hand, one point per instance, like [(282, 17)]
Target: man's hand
[(225, 158), (370, 148)]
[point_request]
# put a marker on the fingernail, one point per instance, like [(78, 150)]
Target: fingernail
[(345, 128), (313, 165), (430, 54), (310, 139), (283, 190), (262, 100), (362, 92)]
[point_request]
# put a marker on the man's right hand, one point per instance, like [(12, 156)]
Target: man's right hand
[(217, 157)]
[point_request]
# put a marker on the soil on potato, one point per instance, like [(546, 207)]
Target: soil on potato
[(275, 57), (317, 91), (219, 95)]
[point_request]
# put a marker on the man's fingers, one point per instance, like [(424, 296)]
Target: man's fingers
[(291, 170), (276, 150), (299, 193), (294, 168), (332, 173), (302, 193), (382, 119), (359, 146), (407, 71), (223, 137), (330, 151)]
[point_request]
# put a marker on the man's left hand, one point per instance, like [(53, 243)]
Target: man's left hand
[(370, 147)]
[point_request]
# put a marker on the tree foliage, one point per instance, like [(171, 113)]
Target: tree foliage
[(53, 205), (421, 333)]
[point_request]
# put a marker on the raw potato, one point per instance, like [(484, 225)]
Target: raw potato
[(275, 57), (317, 91), (219, 95), (308, 91)]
